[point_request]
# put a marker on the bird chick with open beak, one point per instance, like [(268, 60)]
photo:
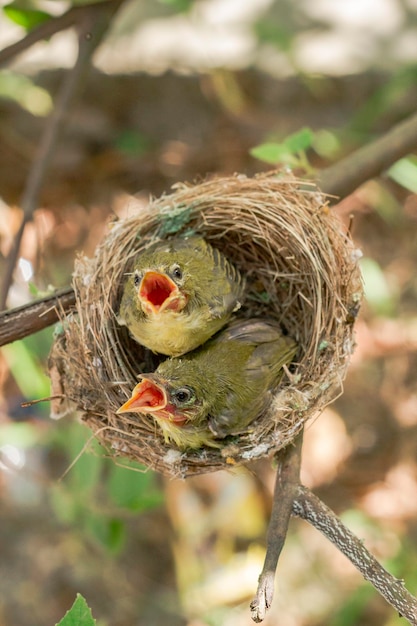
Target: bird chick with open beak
[(180, 293), (217, 390)]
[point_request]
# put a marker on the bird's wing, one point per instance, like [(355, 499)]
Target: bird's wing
[(263, 367), (225, 303), (251, 331)]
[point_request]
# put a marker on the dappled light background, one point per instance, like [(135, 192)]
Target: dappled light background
[(180, 90)]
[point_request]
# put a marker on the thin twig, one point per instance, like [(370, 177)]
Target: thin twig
[(309, 507), (342, 178), (286, 484), (28, 319), (92, 29), (47, 29)]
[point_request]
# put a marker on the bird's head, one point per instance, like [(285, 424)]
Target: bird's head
[(161, 289), (176, 404)]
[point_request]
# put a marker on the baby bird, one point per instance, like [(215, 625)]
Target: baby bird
[(180, 293), (217, 390)]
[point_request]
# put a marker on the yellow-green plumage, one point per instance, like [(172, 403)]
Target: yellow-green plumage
[(209, 284), (219, 389)]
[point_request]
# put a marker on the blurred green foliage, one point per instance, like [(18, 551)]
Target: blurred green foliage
[(23, 90), (404, 172), (26, 17), (380, 296), (96, 493)]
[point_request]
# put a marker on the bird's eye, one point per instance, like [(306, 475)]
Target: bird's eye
[(184, 395), (137, 279), (176, 272)]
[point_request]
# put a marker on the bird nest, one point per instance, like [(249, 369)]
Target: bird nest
[(301, 270)]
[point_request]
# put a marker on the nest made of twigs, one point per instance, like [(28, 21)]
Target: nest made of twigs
[(302, 270)]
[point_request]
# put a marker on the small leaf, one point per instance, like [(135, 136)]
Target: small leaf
[(301, 140), (28, 18), (404, 172), (78, 615), (272, 153)]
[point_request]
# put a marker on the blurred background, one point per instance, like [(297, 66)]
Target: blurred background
[(180, 89)]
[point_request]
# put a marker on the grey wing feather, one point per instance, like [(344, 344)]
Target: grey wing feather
[(232, 301), (252, 331)]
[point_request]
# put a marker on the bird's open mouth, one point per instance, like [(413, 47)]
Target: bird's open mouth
[(149, 397), (157, 292)]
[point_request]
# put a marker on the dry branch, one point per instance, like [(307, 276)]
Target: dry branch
[(309, 507), (286, 485), (70, 18), (30, 318), (91, 31), (342, 178)]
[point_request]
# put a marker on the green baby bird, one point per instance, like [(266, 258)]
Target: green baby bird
[(179, 294), (218, 389)]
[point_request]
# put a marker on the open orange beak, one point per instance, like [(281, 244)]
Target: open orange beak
[(157, 293), (147, 397)]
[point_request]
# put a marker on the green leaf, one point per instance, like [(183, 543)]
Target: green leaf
[(272, 153), (78, 615), (404, 172), (326, 143), (301, 140), (28, 18), (287, 151)]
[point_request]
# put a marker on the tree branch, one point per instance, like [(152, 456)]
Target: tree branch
[(342, 178), (309, 507), (286, 484), (28, 319), (339, 179), (92, 29), (51, 27)]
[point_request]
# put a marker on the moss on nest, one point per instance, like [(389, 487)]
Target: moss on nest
[(301, 269)]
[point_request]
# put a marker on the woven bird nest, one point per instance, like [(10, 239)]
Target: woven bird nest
[(301, 270)]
